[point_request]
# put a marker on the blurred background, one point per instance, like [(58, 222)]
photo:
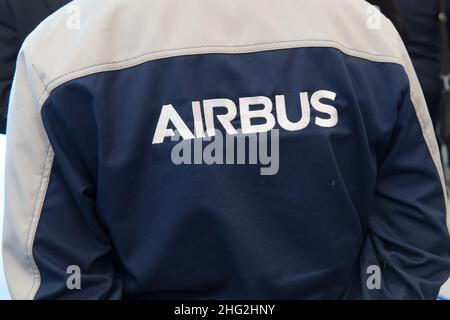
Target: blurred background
[(417, 22)]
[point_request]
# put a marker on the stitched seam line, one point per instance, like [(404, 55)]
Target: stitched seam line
[(435, 155), (35, 221), (157, 55), (38, 204)]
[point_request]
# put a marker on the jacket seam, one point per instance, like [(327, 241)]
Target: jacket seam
[(39, 202), (235, 49)]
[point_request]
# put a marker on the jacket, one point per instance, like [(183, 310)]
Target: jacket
[(221, 150)]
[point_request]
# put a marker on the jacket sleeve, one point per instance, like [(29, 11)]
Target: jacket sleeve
[(9, 49), (406, 254), (55, 246)]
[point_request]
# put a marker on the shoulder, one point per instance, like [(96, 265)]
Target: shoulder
[(88, 36)]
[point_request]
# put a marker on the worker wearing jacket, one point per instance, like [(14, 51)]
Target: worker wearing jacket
[(103, 201)]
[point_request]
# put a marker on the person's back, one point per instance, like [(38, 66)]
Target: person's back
[(95, 184)]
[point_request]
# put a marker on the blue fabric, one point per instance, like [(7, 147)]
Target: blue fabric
[(363, 192)]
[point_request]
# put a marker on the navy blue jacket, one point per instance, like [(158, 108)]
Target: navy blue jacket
[(121, 182)]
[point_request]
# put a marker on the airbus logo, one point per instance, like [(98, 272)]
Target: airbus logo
[(250, 108)]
